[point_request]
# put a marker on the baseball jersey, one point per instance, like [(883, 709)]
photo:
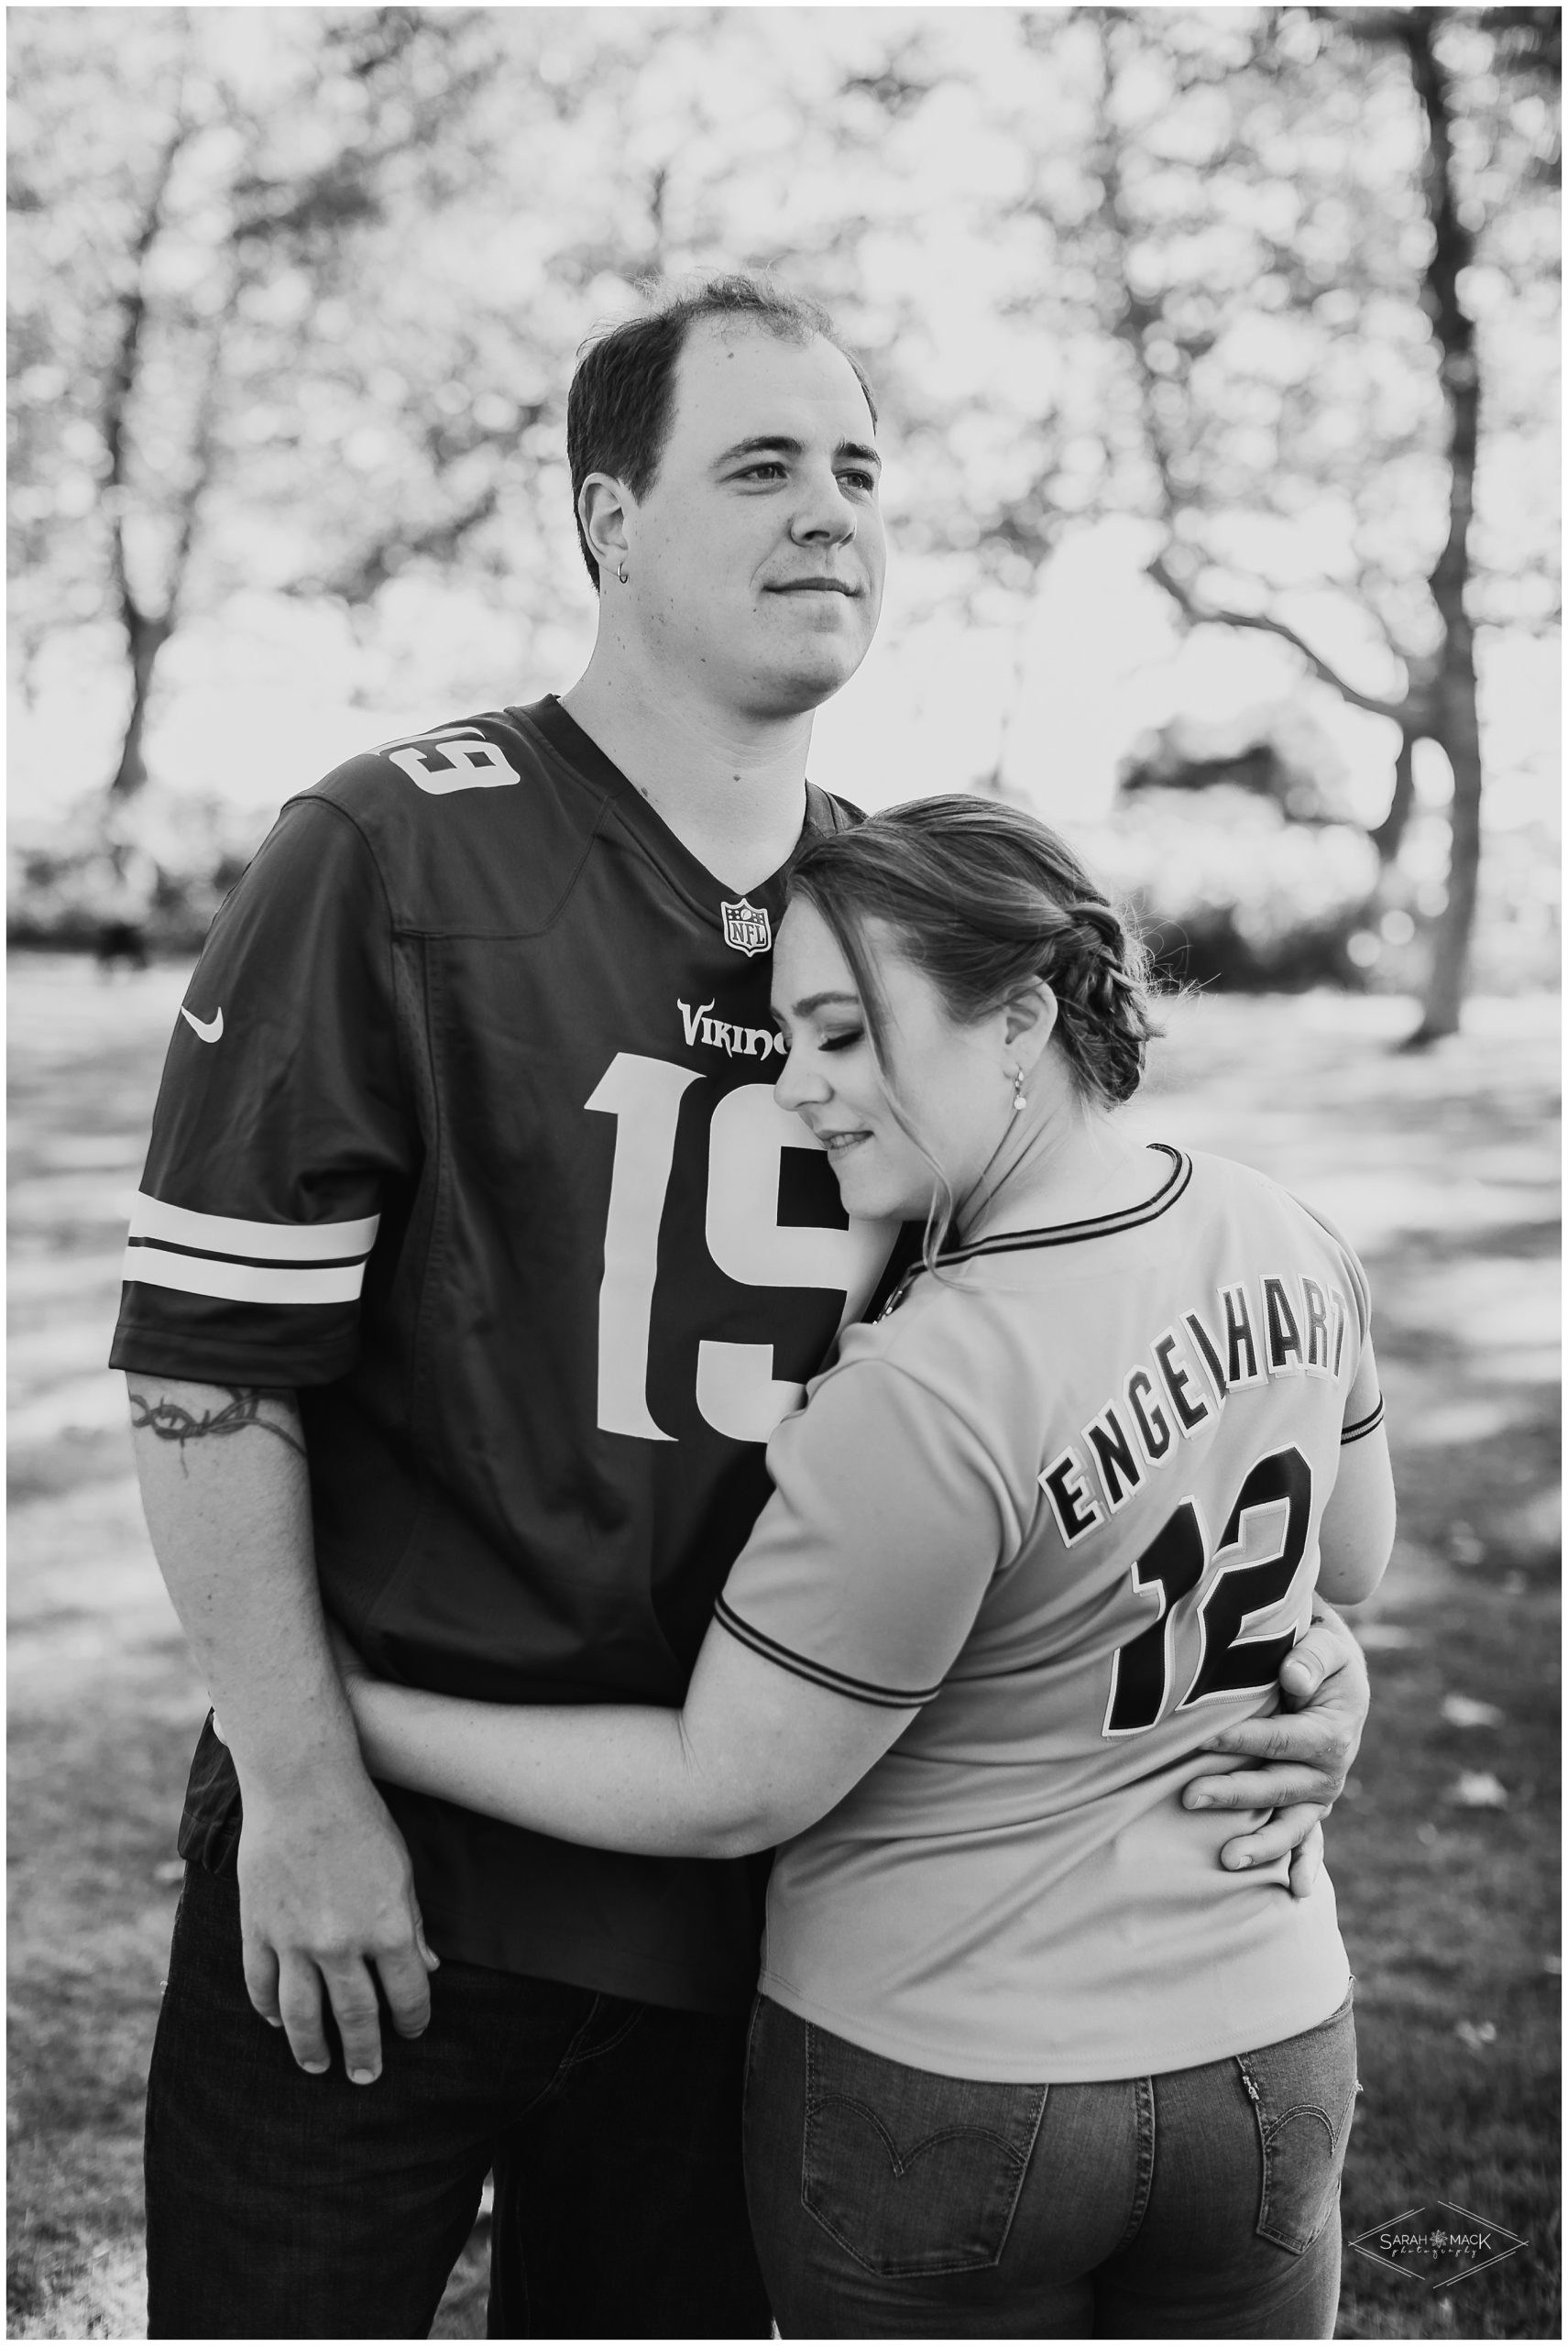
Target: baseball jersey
[(1062, 1503), (467, 1133)]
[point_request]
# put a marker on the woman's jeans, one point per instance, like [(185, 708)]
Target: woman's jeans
[(888, 2203)]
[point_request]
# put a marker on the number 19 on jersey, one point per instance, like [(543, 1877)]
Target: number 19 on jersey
[(737, 1391)]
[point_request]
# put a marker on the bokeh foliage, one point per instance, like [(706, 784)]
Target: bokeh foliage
[(295, 295)]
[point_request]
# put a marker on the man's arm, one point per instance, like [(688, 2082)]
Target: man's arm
[(326, 1889), (1323, 1679), (1305, 1751)]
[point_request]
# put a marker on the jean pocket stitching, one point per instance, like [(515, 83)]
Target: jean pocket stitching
[(932, 2267), (1272, 2125), (824, 2198), (1272, 2121), (1273, 2227), (900, 2160)]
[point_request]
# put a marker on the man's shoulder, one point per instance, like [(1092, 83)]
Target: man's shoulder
[(825, 811), (475, 823), (430, 775)]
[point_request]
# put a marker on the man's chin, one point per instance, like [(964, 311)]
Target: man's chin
[(791, 687)]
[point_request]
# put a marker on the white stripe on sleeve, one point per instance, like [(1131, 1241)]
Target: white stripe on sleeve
[(244, 1282), (279, 1242)]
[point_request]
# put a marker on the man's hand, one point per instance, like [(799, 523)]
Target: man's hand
[(1304, 1759), (326, 1892), (327, 1901)]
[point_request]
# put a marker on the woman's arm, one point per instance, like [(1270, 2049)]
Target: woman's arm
[(756, 1755), (886, 1524), (762, 1750)]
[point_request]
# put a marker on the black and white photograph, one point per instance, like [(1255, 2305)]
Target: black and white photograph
[(783, 991)]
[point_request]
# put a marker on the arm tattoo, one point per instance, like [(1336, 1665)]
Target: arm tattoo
[(170, 1422)]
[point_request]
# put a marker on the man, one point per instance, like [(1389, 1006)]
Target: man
[(473, 1265)]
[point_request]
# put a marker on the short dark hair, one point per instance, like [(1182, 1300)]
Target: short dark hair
[(617, 410)]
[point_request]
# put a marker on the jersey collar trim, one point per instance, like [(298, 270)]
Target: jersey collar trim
[(1061, 1233), (702, 889), (1072, 1233)]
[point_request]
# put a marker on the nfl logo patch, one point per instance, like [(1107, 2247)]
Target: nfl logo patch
[(747, 927)]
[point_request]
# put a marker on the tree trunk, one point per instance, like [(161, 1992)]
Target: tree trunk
[(1454, 692), (1390, 834), (1450, 942), (144, 637), (148, 638)]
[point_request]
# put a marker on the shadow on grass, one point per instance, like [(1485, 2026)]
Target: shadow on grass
[(1450, 1914)]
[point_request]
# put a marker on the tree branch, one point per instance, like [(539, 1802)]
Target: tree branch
[(358, 579), (1135, 317), (1403, 713)]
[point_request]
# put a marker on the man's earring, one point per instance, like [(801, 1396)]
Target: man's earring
[(621, 570), (1019, 1101)]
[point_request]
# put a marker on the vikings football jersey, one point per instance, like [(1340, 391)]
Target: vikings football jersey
[(467, 1133), (1062, 1504)]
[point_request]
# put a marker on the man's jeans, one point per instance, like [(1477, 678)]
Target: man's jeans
[(285, 2206), (889, 2202)]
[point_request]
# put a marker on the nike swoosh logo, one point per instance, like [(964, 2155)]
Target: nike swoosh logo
[(209, 1032)]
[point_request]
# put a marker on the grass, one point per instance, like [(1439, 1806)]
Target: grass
[(1439, 1168), (1442, 1170)]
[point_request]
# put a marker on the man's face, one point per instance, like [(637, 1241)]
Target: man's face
[(757, 556)]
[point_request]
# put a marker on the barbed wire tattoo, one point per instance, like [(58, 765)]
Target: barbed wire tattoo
[(170, 1421)]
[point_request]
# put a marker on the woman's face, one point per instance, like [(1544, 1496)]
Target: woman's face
[(954, 1083)]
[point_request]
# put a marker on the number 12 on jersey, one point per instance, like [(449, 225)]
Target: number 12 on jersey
[(1173, 1566)]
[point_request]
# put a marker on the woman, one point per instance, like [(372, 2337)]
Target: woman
[(1027, 2060)]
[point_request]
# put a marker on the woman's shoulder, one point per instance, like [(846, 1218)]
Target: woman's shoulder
[(1212, 1171), (925, 1315), (968, 1333), (1213, 1176)]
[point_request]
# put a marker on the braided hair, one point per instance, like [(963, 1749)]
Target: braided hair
[(984, 899)]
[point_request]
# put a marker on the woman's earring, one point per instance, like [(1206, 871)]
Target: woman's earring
[(621, 570), (1019, 1101)]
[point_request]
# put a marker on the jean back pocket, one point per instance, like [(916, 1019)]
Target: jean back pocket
[(1303, 2095), (910, 2172)]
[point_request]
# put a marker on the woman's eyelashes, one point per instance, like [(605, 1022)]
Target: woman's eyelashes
[(841, 1038)]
